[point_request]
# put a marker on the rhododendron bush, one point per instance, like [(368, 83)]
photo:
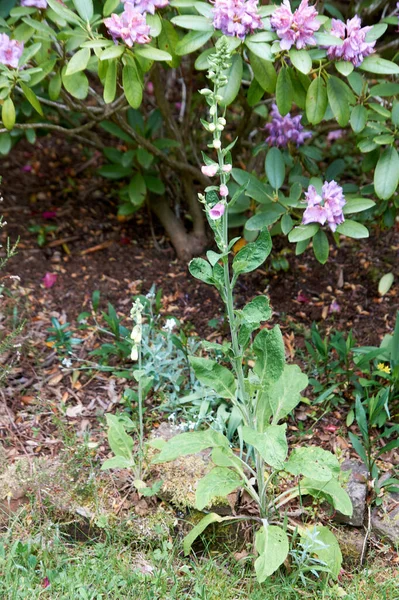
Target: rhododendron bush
[(302, 75)]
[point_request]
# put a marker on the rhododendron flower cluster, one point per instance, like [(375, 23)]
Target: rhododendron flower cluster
[(10, 51), (355, 48), (34, 3), (236, 17), (326, 207), (130, 26), (295, 29), (147, 6), (285, 130)]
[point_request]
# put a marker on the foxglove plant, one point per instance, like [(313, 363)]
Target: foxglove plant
[(263, 395)]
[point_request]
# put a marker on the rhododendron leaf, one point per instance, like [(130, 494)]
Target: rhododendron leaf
[(199, 528), (5, 143), (358, 118), (204, 9), (155, 24), (301, 60), (8, 113), (284, 91), (264, 72), (32, 98), (201, 269), (234, 76), (151, 53), (380, 66), (353, 229), (253, 255), (271, 444), (132, 86), (259, 49), (215, 376), (84, 8), (220, 481), (192, 41), (110, 82), (344, 67), (285, 393), (64, 12), (110, 6), (112, 52), (167, 41), (193, 22), (386, 175), (78, 61), (339, 97), (313, 462), (321, 247), (272, 545), (77, 84), (275, 168), (355, 205), (326, 39), (303, 232), (385, 283), (316, 101), (331, 490), (266, 216), (190, 443)]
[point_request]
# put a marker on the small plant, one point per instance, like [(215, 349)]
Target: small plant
[(42, 232)]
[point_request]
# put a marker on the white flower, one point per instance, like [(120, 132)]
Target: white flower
[(134, 353), (136, 334), (169, 326), (67, 362)]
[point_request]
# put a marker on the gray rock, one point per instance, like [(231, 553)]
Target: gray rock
[(385, 518), (356, 487)]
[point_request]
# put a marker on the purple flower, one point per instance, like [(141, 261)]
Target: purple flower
[(236, 17), (295, 28), (49, 280), (284, 130), (355, 48), (130, 26), (325, 208), (334, 307), (147, 6), (10, 51), (217, 211), (335, 135), (34, 3)]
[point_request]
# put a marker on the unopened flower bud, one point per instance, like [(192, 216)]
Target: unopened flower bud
[(223, 190), (212, 110), (217, 144), (227, 168), (212, 127), (222, 120), (210, 170)]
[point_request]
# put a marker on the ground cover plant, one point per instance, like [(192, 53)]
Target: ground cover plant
[(135, 436)]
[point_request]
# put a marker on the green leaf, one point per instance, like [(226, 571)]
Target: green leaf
[(253, 187), (32, 98), (303, 232), (54, 87), (77, 84), (271, 444), (64, 12), (168, 40), (114, 171), (112, 52), (132, 86), (214, 375), (234, 76), (332, 490), (152, 53), (265, 217), (324, 546), (327, 39), (8, 114), (344, 67), (269, 350), (110, 82), (271, 543), (376, 32), (358, 118), (338, 97), (312, 462), (386, 175), (110, 6), (385, 89), (84, 8), (253, 255), (355, 205), (380, 66), (201, 269), (260, 49), (275, 168), (285, 393), (353, 229), (78, 62), (321, 247), (284, 91), (137, 190), (199, 528), (220, 481), (190, 443), (117, 462), (120, 442), (264, 73), (193, 22), (301, 60), (192, 41), (5, 143), (155, 24), (385, 283), (257, 310), (316, 101)]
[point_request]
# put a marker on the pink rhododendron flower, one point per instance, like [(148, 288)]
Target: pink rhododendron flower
[(325, 208), (147, 6), (284, 130), (295, 29), (236, 17), (223, 190), (217, 211), (34, 3), (49, 280), (130, 26), (210, 170), (10, 51), (355, 48)]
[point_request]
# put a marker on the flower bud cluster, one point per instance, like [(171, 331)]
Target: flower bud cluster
[(136, 336)]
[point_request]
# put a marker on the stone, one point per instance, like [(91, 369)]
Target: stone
[(356, 486), (385, 518), (351, 543)]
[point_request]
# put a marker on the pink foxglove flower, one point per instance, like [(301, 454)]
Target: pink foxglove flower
[(355, 48), (227, 168), (130, 26), (295, 29), (147, 6), (223, 190), (217, 211), (284, 130), (10, 51), (34, 3), (236, 17), (49, 280), (210, 170), (326, 208)]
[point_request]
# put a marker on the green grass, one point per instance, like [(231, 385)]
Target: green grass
[(33, 555)]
